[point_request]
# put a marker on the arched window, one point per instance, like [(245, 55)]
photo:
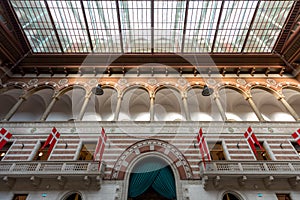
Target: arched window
[(74, 196), (230, 196)]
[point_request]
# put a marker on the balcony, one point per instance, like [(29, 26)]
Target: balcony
[(52, 175), (258, 174)]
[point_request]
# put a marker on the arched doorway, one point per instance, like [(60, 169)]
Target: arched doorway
[(151, 178), (73, 196)]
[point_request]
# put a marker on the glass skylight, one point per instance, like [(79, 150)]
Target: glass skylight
[(157, 26)]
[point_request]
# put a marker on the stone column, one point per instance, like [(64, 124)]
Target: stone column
[(254, 108), (117, 111), (220, 107), (49, 108), (84, 105), (152, 98), (14, 109), (289, 108), (186, 107)]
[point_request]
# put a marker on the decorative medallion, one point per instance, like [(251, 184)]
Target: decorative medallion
[(230, 129), (33, 130), (33, 81), (270, 130), (152, 81), (211, 81), (241, 81), (271, 81), (92, 82), (122, 81), (181, 81), (63, 81)]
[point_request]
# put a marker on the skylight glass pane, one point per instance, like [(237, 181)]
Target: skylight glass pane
[(168, 25), (103, 26), (267, 25), (234, 24), (35, 21), (69, 22), (201, 26), (136, 26)]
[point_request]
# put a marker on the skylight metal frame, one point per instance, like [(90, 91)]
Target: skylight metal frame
[(254, 38)]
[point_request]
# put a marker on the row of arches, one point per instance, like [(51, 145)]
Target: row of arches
[(138, 104)]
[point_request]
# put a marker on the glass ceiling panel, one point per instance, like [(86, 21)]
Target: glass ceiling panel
[(235, 22), (69, 22), (35, 21), (136, 26), (201, 25), (269, 21), (168, 25), (98, 26), (103, 26)]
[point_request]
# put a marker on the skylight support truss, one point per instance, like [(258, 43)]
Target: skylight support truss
[(184, 25), (86, 25), (251, 24), (53, 25), (119, 26), (218, 25)]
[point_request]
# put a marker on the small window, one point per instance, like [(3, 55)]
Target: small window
[(297, 147), (216, 151), (283, 197), (87, 151), (42, 154), (261, 154), (20, 197), (4, 150), (229, 196), (74, 196)]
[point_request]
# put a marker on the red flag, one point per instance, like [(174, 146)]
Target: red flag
[(296, 136), (100, 145), (4, 137), (252, 140), (51, 140), (203, 147)]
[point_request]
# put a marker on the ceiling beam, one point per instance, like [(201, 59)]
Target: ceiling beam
[(119, 26), (287, 30), (250, 27), (152, 26), (13, 20), (217, 28), (54, 27), (86, 25), (184, 25)]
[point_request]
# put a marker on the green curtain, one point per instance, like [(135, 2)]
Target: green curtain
[(155, 175)]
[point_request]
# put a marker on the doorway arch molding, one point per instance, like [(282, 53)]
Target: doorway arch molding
[(159, 147)]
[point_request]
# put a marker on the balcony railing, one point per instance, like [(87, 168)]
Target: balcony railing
[(51, 168), (250, 168)]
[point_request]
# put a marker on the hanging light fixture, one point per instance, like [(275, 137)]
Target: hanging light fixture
[(207, 91), (97, 90)]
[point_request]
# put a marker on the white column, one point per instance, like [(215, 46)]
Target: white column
[(14, 109), (49, 108), (254, 108), (117, 112), (220, 107), (152, 98), (186, 107), (84, 105), (289, 108)]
